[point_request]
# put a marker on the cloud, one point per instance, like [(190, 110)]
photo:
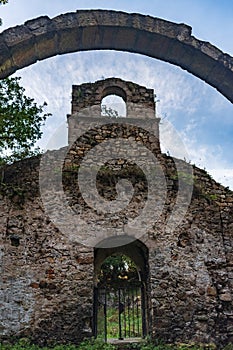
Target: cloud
[(51, 80), (223, 176)]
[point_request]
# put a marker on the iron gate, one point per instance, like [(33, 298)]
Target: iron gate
[(119, 311)]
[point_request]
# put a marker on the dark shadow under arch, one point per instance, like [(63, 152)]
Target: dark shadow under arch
[(114, 90), (82, 30)]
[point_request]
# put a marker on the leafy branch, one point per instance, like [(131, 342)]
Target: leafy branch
[(20, 121)]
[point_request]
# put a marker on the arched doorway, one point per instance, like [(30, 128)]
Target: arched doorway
[(121, 307)]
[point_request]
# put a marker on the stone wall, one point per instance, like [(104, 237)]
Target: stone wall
[(46, 287), (62, 213), (191, 269), (136, 97), (47, 278), (86, 106)]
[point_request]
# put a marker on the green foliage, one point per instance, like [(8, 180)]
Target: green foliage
[(112, 316), (109, 112), (22, 344), (213, 197), (90, 344), (149, 345), (2, 2), (228, 347), (184, 177), (20, 121), (65, 347), (95, 344), (116, 268)]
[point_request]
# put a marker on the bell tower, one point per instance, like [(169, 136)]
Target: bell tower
[(139, 100)]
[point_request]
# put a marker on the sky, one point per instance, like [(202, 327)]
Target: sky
[(189, 108)]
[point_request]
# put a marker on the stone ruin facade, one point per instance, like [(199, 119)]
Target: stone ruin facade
[(49, 266)]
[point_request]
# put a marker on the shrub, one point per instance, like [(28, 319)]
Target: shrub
[(95, 344)]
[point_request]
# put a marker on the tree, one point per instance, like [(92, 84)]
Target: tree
[(3, 2), (109, 112), (20, 121), (118, 268)]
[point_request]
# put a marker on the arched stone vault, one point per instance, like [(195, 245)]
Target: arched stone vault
[(43, 37)]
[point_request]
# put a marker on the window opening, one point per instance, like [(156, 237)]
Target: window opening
[(113, 106)]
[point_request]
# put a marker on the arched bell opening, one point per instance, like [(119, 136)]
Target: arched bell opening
[(113, 106)]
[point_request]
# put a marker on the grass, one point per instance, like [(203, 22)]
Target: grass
[(131, 317), (96, 344), (91, 344), (129, 328)]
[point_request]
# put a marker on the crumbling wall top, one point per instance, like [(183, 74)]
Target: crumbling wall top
[(91, 94)]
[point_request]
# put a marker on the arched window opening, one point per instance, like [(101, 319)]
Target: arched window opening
[(119, 296), (113, 106)]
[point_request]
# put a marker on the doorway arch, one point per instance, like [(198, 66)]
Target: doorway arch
[(121, 293), (83, 30)]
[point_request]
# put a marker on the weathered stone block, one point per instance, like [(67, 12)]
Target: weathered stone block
[(69, 40)]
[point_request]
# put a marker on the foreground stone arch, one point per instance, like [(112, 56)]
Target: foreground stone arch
[(82, 30)]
